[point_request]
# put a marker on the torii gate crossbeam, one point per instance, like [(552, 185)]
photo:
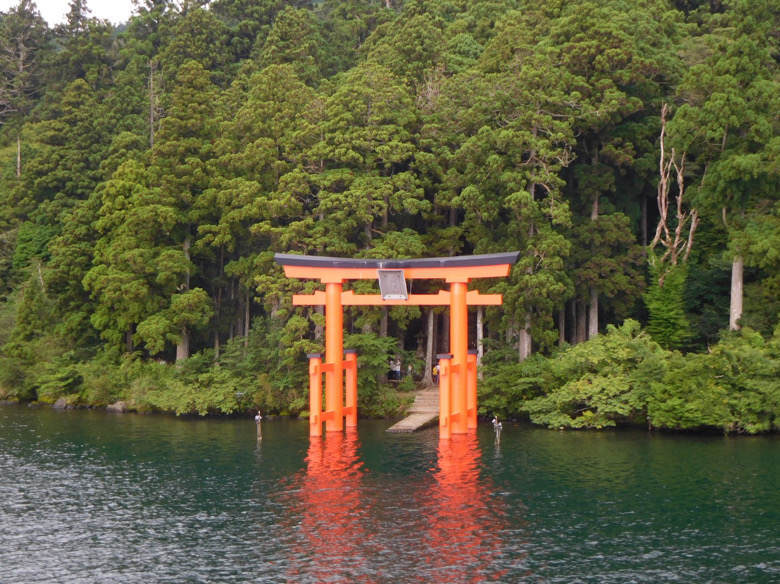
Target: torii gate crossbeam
[(457, 386)]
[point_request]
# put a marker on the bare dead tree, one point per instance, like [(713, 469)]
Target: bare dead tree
[(678, 247)]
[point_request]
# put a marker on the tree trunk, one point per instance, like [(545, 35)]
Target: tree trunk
[(383, 322), (524, 340), (186, 248), (453, 223), (151, 103), (231, 297), (562, 326), (594, 209), (183, 348), (239, 314), (247, 316), (18, 155), (735, 307), (573, 319), (367, 327), (217, 313), (129, 341), (582, 322), (431, 329), (593, 313)]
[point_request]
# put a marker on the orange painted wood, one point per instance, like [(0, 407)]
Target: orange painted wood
[(459, 336), (350, 374), (449, 274), (315, 396), (334, 351), (349, 298), (445, 390), (471, 391)]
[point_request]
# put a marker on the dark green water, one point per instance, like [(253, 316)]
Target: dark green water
[(92, 497)]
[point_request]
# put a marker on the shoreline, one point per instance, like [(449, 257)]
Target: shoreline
[(513, 422)]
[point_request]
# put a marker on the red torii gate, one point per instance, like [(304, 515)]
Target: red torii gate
[(457, 369)]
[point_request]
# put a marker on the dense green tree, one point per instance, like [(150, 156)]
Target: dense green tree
[(259, 191), (409, 46), (148, 22), (23, 42), (346, 25), (67, 150), (618, 57), (363, 181), (510, 138), (728, 123), (88, 46), (196, 35), (73, 250), (149, 218), (124, 278), (295, 38), (668, 324)]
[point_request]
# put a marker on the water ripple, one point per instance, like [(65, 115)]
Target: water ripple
[(131, 499)]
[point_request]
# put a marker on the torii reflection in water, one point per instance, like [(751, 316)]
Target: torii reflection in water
[(357, 525), (467, 524), (333, 514)]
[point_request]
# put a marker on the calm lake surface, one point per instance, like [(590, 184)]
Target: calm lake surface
[(94, 497)]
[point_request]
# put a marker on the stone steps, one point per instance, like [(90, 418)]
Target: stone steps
[(424, 412)]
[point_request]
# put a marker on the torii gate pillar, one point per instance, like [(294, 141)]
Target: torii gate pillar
[(459, 338), (334, 347), (458, 391)]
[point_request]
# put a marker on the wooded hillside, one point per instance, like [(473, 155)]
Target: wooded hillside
[(148, 173)]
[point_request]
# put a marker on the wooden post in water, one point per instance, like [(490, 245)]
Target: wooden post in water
[(315, 394), (334, 349), (445, 395), (471, 390), (350, 375), (259, 424), (459, 335)]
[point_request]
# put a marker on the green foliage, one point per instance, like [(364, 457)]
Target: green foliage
[(216, 391), (626, 377), (31, 243), (375, 397), (294, 38), (733, 387), (507, 385), (668, 324), (34, 313), (600, 382)]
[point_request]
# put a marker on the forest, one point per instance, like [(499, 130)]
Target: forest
[(628, 149)]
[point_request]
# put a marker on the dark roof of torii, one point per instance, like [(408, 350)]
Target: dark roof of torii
[(491, 259)]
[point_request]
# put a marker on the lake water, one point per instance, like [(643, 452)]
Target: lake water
[(94, 497)]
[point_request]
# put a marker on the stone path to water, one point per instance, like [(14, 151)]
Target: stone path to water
[(424, 412)]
